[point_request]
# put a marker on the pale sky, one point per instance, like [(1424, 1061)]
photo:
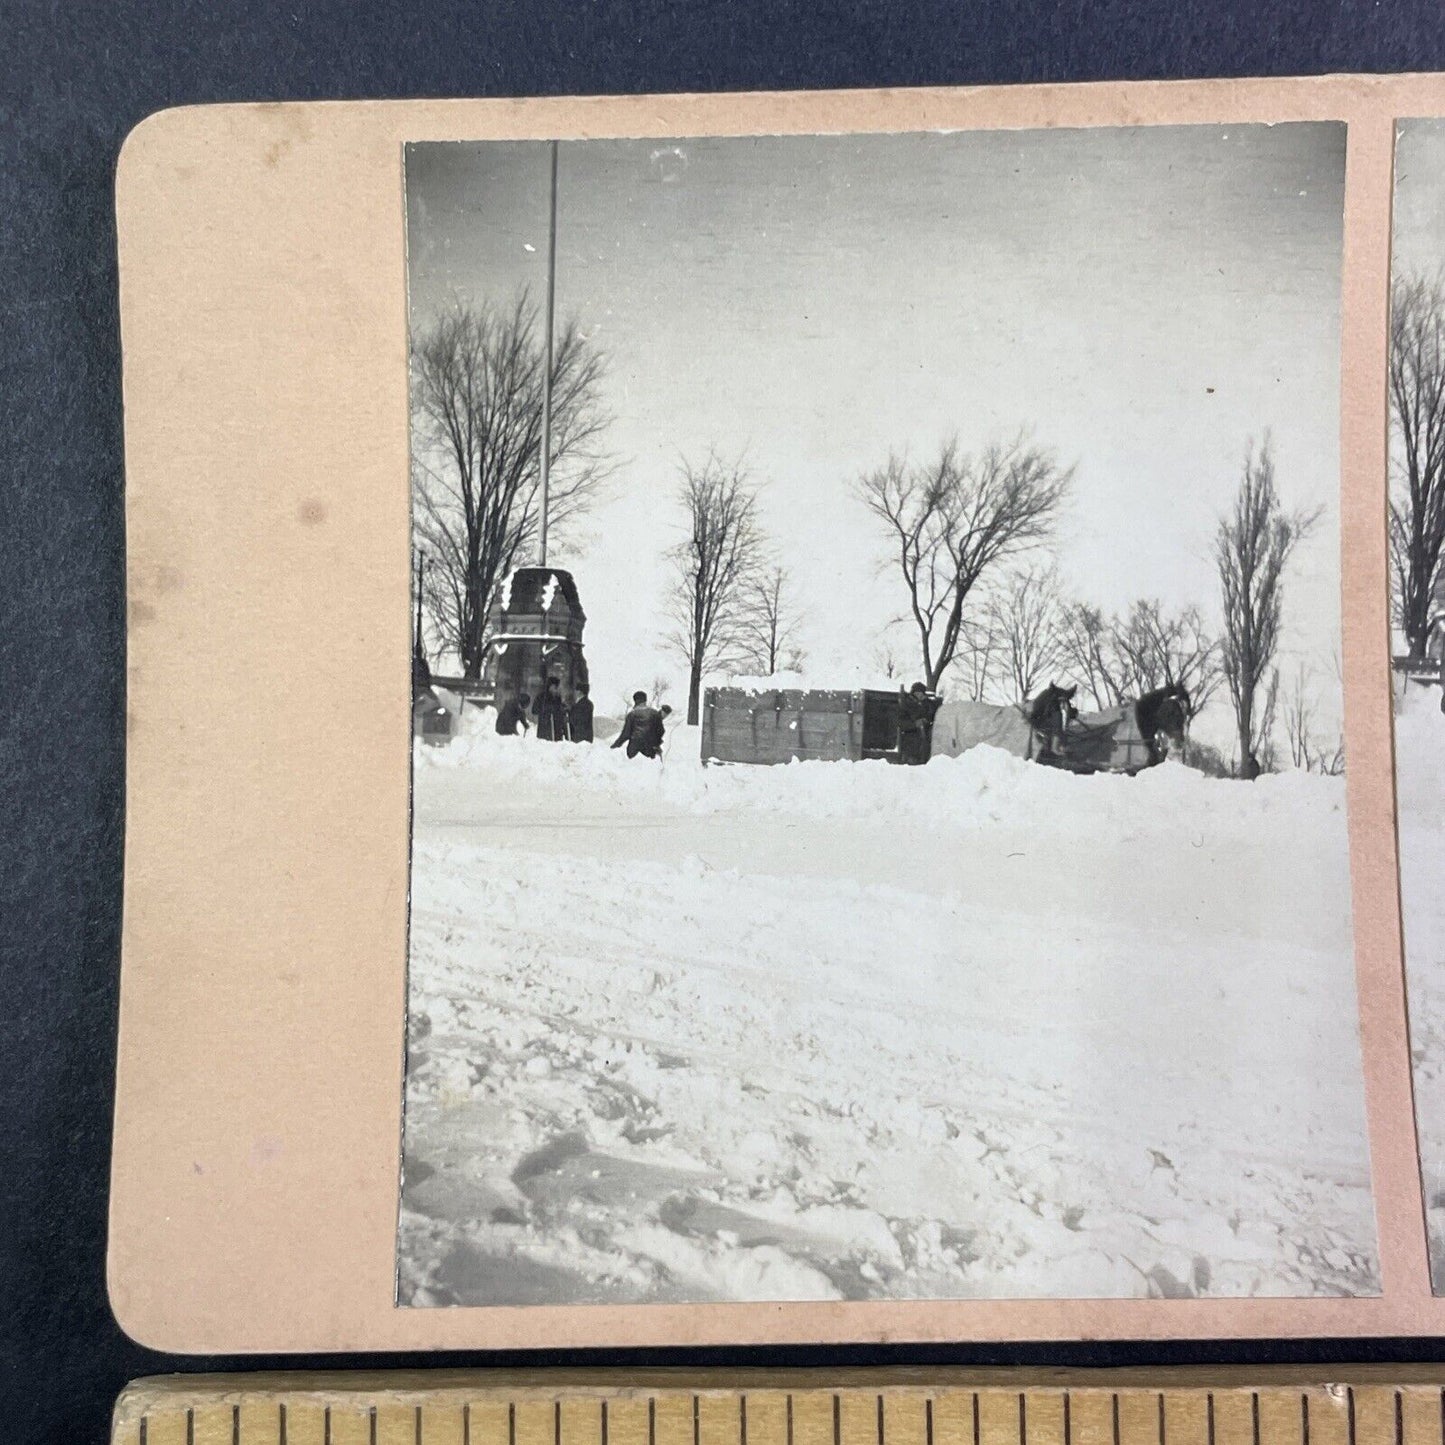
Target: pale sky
[(1419, 235), (1142, 300)]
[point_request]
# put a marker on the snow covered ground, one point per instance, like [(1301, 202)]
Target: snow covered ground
[(1420, 780), (978, 1029)]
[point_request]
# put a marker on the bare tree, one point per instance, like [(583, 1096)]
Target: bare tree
[(1087, 639), (713, 567), (1252, 547), (1299, 719), (885, 655), (477, 374), (1308, 749), (1119, 658), (768, 623), (976, 664), (949, 522), (1161, 648), (1417, 412), (1027, 620)]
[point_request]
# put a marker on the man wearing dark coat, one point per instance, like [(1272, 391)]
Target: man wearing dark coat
[(916, 709), (579, 716), (512, 715), (641, 729), (551, 713)]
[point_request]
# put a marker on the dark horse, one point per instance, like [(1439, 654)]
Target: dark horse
[(1163, 717), (1049, 716)]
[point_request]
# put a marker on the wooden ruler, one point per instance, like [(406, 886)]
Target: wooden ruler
[(1359, 1406)]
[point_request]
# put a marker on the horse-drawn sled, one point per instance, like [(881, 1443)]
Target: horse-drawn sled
[(1050, 730), (801, 724)]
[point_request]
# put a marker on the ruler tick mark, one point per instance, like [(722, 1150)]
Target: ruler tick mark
[(1304, 1419), (557, 1422), (1068, 1422), (1350, 1413), (603, 1425), (145, 1422), (511, 1422), (696, 1421), (236, 1426), (975, 1417), (326, 1426), (1115, 1414), (1254, 1414), (1209, 1416), (880, 1420), (651, 1420), (1161, 1417), (1399, 1419), (790, 1420), (370, 1427), (281, 1423), (928, 1421), (1023, 1419), (837, 1421), (418, 1425), (743, 1419), (467, 1423), (190, 1426)]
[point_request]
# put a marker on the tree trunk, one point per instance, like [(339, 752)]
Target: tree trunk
[(694, 694), (1417, 626), (1244, 712)]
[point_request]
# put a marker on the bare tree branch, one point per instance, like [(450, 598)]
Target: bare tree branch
[(950, 521), (1091, 657), (1026, 627), (768, 623), (477, 375), (1120, 658), (713, 569), (1417, 414), (1252, 547), (1307, 749)]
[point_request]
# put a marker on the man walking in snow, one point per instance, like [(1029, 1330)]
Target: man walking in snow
[(512, 715), (551, 713), (579, 716), (641, 729)]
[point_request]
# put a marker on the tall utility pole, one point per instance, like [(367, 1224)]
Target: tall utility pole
[(547, 373)]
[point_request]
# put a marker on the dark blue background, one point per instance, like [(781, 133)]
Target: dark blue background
[(74, 78)]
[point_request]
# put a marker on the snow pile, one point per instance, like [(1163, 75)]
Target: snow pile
[(1420, 781), (850, 1030), (980, 788)]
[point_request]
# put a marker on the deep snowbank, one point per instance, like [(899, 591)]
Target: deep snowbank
[(854, 1030), (982, 786)]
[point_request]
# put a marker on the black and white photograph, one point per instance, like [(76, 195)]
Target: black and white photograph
[(878, 771), (1417, 539)]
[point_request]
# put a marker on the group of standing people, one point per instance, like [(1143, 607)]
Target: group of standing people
[(558, 721)]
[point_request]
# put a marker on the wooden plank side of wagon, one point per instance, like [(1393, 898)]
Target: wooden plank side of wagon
[(779, 727)]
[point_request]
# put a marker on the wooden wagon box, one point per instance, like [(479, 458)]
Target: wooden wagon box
[(780, 726)]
